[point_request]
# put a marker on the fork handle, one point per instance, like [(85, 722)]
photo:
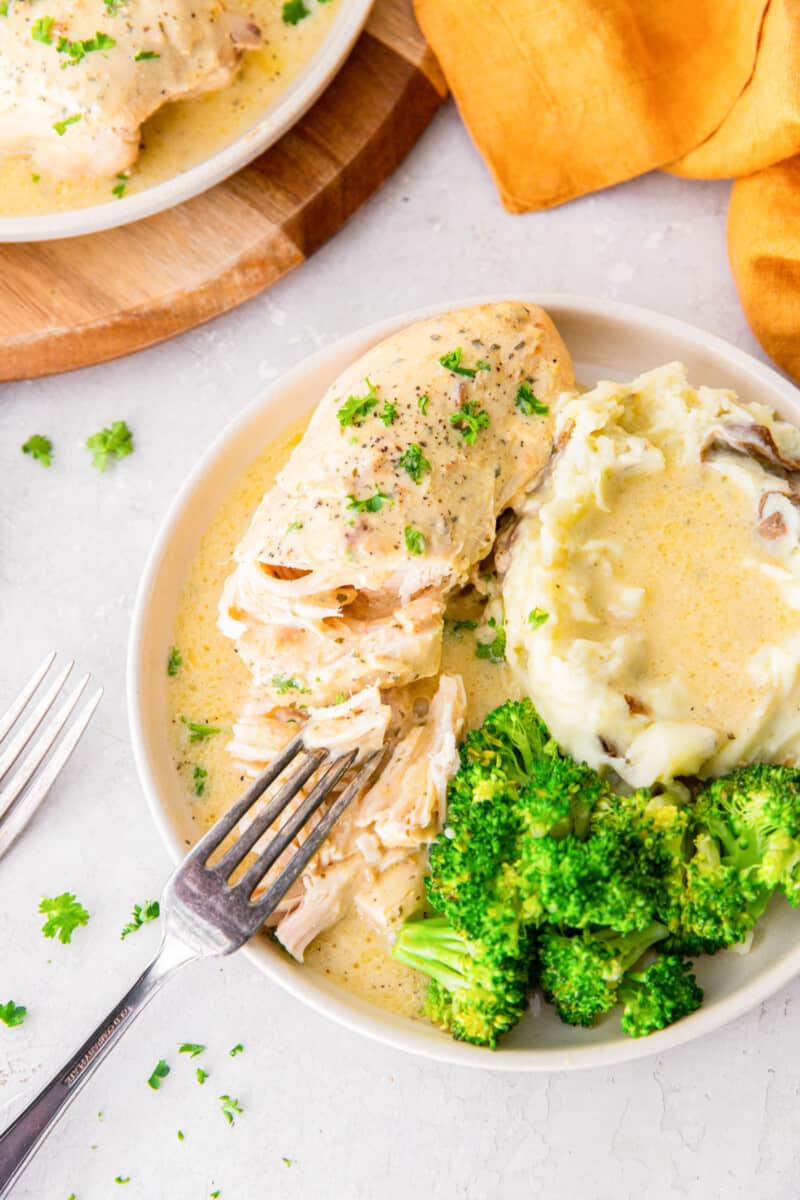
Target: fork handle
[(24, 1136)]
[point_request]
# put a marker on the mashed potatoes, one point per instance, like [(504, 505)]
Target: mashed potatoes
[(652, 593)]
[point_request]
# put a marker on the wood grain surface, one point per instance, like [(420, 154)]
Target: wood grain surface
[(78, 301)]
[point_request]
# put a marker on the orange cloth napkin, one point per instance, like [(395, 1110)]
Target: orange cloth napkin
[(564, 97)]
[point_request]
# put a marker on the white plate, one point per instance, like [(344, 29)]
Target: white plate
[(606, 340), (280, 117)]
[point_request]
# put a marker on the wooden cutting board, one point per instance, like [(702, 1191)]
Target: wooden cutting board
[(79, 301)]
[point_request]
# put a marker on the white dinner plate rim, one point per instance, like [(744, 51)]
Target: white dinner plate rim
[(292, 104), (418, 1038)]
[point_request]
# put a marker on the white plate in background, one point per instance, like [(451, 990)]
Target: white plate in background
[(279, 118), (606, 340)]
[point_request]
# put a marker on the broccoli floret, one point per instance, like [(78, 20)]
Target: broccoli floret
[(581, 973), (659, 995), (747, 843), (475, 993)]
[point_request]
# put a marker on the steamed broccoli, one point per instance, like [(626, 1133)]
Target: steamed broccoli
[(475, 993), (659, 995), (581, 973)]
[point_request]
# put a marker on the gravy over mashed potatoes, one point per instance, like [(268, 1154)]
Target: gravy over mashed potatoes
[(652, 588)]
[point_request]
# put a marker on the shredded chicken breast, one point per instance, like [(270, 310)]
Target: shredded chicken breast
[(79, 77), (337, 599)]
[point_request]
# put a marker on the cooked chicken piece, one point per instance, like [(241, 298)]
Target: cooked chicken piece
[(326, 894), (79, 77), (393, 894), (391, 499), (406, 807)]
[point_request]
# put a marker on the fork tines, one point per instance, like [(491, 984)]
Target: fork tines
[(305, 763), (49, 739)]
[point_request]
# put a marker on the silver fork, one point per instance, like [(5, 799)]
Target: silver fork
[(204, 914), (24, 782)]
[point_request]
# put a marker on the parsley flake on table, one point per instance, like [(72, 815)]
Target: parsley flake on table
[(40, 448), (115, 439), (287, 1162), (415, 541), (62, 126), (452, 362), (64, 914), (469, 420), (537, 617), (294, 11), (528, 403), (215, 1195), (12, 1014), (414, 462), (75, 51), (180, 1135), (42, 30), (202, 1075), (174, 662), (388, 413), (237, 1049), (494, 651), (356, 409), (422, 403), (285, 683), (199, 780), (122, 1179), (160, 1071), (142, 914), (199, 731), (371, 504), (145, 55), (230, 1108)]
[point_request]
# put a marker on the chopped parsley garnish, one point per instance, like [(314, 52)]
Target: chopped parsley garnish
[(12, 1014), (294, 11), (215, 1195), (192, 1048), (199, 780), (237, 1049), (202, 1075), (118, 189), (469, 420), (287, 1162), (180, 1135), (356, 408), (294, 525), (42, 30), (174, 662), (115, 439), (422, 403), (142, 915), (112, 7), (61, 126), (40, 448), (145, 55), (537, 617), (35, 178), (414, 462), (452, 362), (4, 8), (455, 626), (371, 504), (122, 1179), (160, 1071), (198, 731), (494, 651), (64, 914), (230, 1108), (527, 403), (388, 413), (76, 51), (285, 683), (415, 541)]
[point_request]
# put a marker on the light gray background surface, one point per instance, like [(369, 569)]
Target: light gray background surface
[(717, 1118)]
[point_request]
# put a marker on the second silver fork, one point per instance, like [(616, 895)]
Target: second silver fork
[(205, 914)]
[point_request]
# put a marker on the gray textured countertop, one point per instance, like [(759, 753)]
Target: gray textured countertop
[(717, 1118)]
